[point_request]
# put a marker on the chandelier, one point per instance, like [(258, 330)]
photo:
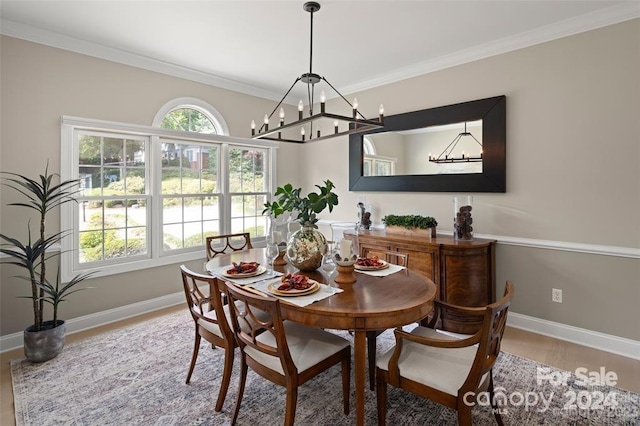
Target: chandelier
[(319, 125), (447, 157)]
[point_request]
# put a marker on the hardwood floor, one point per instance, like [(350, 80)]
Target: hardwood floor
[(546, 350)]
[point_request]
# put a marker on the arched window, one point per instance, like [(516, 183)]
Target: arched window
[(367, 146), (150, 194), (190, 115)]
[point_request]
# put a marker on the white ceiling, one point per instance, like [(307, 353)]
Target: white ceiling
[(260, 47)]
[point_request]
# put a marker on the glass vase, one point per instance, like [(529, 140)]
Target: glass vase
[(277, 233), (462, 218), (305, 248)]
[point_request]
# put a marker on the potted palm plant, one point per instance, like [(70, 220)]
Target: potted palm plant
[(307, 245), (43, 340)]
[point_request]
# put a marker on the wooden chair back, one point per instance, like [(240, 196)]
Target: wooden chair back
[(487, 340), (264, 348), (204, 299), (218, 244), (248, 322), (397, 258), (200, 302), (490, 338)]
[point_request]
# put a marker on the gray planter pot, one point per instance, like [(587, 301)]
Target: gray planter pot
[(43, 345)]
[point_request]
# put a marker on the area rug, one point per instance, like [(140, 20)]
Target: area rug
[(135, 376)]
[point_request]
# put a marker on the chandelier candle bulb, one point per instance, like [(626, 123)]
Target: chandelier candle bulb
[(300, 109), (253, 127), (335, 126), (355, 108), (302, 133), (266, 122), (381, 113), (281, 116)]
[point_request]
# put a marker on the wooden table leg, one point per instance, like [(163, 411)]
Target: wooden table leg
[(360, 373)]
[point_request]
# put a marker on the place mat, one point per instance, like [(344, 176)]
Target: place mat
[(218, 272), (307, 299), (392, 269)]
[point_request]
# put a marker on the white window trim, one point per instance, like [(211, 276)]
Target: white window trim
[(68, 214), (199, 105)]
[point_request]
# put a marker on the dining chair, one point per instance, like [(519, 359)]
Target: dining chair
[(450, 370), (396, 258), (283, 352), (210, 316), (218, 244)]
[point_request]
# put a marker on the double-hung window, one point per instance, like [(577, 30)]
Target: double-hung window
[(149, 196)]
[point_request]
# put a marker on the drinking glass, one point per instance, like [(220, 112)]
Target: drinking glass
[(328, 265), (272, 253)]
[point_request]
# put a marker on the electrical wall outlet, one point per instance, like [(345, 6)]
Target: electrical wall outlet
[(556, 295)]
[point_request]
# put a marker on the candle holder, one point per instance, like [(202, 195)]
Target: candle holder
[(345, 268), (280, 260)]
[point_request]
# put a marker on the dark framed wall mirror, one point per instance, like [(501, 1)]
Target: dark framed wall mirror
[(453, 148)]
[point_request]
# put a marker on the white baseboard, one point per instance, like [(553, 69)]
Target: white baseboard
[(75, 325), (605, 342), (581, 336)]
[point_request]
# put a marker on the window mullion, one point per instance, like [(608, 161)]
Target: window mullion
[(155, 216), (225, 205)]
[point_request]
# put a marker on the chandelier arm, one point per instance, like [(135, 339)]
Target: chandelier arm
[(280, 103), (452, 145), (474, 138), (343, 98)]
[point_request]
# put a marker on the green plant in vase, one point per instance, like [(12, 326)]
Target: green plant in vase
[(411, 222), (307, 245)]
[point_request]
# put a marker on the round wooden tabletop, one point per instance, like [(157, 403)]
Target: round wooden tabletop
[(371, 303)]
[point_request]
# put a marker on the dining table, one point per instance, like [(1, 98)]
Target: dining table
[(371, 303)]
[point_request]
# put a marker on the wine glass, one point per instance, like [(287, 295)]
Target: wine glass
[(328, 265), (272, 253)]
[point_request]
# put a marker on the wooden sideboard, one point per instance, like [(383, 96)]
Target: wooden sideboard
[(464, 272)]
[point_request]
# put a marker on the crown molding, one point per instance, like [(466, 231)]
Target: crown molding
[(587, 22), (60, 41), (590, 21)]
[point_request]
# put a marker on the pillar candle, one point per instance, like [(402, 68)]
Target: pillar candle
[(345, 248)]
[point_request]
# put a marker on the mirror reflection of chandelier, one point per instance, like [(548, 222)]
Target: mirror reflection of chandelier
[(318, 126), (446, 156)]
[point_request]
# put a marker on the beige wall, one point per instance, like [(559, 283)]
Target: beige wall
[(40, 84), (573, 162), (573, 171)]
